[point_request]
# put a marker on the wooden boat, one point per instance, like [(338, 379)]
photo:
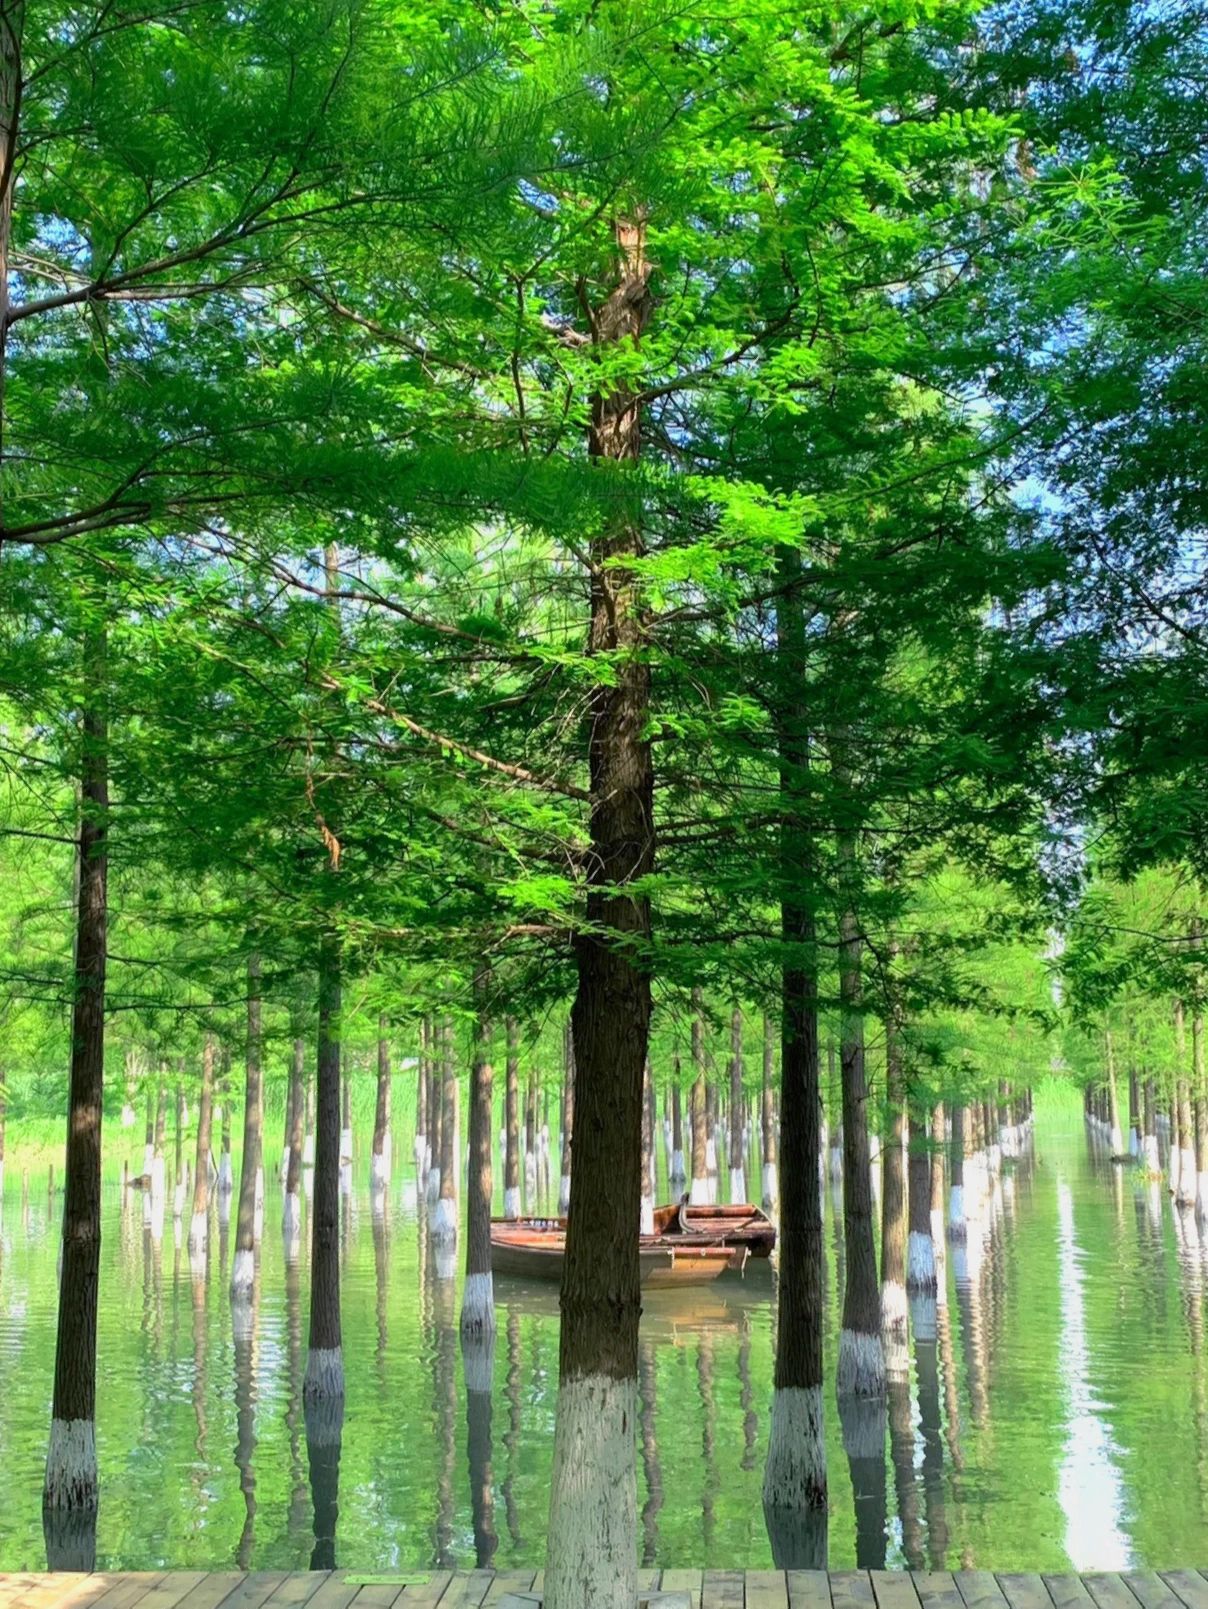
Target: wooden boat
[(689, 1246), (737, 1223)]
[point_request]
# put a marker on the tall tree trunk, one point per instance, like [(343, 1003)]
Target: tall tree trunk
[(646, 1217), (592, 1558), (381, 1112), (478, 1296), (957, 1229), (1186, 1189), (70, 1492), (738, 1175), (345, 1126), (444, 1219), (291, 1213), (767, 1117), (511, 1124), (323, 1386), (226, 1179), (158, 1161), (938, 1242), (861, 1366), (178, 1159), (568, 1120), (530, 1141), (435, 1111), (677, 1128), (1115, 1138), (1200, 1109), (243, 1271), (698, 1109), (199, 1229), (794, 1479), (893, 1200), (421, 1108), (920, 1250)]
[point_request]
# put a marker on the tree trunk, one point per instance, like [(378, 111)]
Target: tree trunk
[(291, 1216), (794, 1481), (920, 1251), (530, 1141), (243, 1271), (70, 1490), (444, 1219), (435, 1112), (568, 1121), (698, 1109), (957, 1230), (478, 1297), (323, 1386), (1115, 1138), (158, 1162), (893, 1201), (1200, 1109), (592, 1557), (771, 1187), (938, 1242), (421, 1109), (1185, 1193), (345, 1126), (677, 1128), (199, 1229), (225, 1173), (647, 1199), (178, 1159), (511, 1125), (381, 1112), (861, 1367), (738, 1176)]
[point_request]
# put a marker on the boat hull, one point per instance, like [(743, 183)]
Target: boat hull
[(536, 1250)]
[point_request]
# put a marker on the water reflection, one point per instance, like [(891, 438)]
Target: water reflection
[(1023, 1436)]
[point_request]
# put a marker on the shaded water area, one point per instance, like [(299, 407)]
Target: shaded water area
[(1055, 1416)]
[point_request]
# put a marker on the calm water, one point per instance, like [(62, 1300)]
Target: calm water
[(1056, 1414)]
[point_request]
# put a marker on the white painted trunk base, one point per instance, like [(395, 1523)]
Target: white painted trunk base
[(646, 1216), (324, 1379), (698, 1195), (1201, 1194), (957, 1229), (433, 1186), (677, 1165), (794, 1474), (71, 1478), (1186, 1191), (1134, 1143), (1149, 1154), (836, 1163), (771, 1188), (291, 1213), (243, 1272), (511, 1202), (308, 1151), (226, 1179), (924, 1317), (157, 1179), (345, 1146), (860, 1371), (444, 1255), (591, 1559), (444, 1220), (710, 1156), (920, 1262), (478, 1305), (738, 1184), (564, 1193), (178, 1201), (283, 1171), (379, 1172), (199, 1232), (893, 1308), (478, 1360)]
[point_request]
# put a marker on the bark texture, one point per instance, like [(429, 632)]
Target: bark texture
[(325, 1337)]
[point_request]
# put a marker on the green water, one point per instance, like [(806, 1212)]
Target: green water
[(1056, 1414)]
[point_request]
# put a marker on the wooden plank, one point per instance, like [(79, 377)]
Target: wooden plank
[(1023, 1589), (59, 1586), (175, 1587), (466, 1589), (125, 1590), (1109, 1592), (13, 1585), (767, 1589), (979, 1590), (426, 1593), (300, 1586), (808, 1589), (378, 1595), (1187, 1585), (210, 1591), (333, 1592), (936, 1589), (1067, 1592), (250, 1591), (722, 1589), (688, 1581), (851, 1589), (508, 1581), (1150, 1590), (893, 1589)]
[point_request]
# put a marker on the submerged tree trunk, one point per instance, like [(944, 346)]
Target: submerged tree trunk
[(199, 1228), (70, 1492), (324, 1381), (920, 1250), (592, 1557), (794, 1479), (511, 1124), (957, 1230), (478, 1297), (381, 1112), (243, 1271)]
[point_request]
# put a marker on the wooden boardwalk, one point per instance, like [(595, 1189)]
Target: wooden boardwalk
[(705, 1589)]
